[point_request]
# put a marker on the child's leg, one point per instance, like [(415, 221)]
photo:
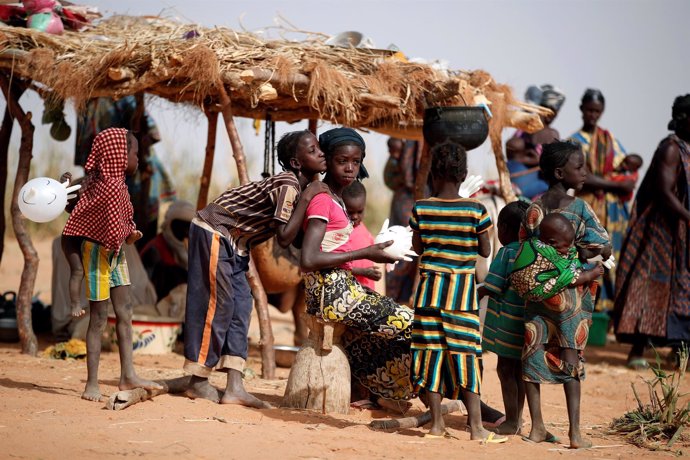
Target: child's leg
[(438, 427), (235, 348), (71, 247), (210, 304), (122, 305), (538, 432), (517, 376), (572, 398), (98, 316), (474, 415), (299, 308), (513, 391)]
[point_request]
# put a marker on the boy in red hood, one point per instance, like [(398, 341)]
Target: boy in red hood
[(99, 224)]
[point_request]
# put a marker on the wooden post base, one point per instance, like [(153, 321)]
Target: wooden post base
[(320, 376)]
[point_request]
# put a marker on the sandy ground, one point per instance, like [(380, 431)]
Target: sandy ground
[(42, 416)]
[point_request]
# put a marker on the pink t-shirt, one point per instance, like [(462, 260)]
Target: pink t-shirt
[(361, 238), (338, 225)]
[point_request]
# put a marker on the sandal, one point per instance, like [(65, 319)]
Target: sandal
[(550, 438), (494, 439), (364, 404), (445, 435), (493, 425)]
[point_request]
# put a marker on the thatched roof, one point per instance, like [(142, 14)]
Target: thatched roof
[(288, 80)]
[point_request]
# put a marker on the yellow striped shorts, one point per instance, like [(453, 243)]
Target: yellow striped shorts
[(103, 269)]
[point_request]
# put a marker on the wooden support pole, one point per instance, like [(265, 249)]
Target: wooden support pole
[(141, 131), (312, 126), (5, 134), (27, 337), (212, 117), (503, 174), (423, 172), (268, 360)]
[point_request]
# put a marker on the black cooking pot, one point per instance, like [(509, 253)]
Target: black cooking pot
[(465, 125)]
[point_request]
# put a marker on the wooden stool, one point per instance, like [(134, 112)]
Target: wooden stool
[(320, 377)]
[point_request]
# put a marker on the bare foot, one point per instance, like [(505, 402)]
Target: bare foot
[(202, 389), (91, 393), (137, 382), (243, 398), (541, 436), (508, 428), (479, 433), (437, 429), (578, 442), (77, 311), (397, 407)]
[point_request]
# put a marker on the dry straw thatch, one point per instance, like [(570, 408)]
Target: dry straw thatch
[(289, 80)]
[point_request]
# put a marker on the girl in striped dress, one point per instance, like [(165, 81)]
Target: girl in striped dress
[(449, 232)]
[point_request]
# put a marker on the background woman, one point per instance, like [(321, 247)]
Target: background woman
[(603, 153), (653, 278)]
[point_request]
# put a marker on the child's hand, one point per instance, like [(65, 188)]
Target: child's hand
[(313, 189), (376, 253), (66, 177), (134, 236), (373, 273)]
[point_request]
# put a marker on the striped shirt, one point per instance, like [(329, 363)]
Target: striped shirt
[(449, 229), (249, 214)]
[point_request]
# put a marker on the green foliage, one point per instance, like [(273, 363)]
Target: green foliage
[(661, 423)]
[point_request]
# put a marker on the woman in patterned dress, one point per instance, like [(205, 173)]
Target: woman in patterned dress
[(653, 278), (603, 153), (378, 338)]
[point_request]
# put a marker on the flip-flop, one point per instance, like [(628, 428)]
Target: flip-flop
[(495, 424), (364, 404), (552, 439), (494, 439), (638, 364), (445, 435)]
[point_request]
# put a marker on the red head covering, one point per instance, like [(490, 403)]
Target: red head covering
[(104, 212)]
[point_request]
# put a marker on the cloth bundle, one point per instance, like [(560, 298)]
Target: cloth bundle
[(540, 271)]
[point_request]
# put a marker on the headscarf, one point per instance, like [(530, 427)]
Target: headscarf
[(104, 212), (546, 96), (332, 138), (179, 210)]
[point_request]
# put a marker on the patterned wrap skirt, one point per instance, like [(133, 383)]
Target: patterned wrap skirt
[(551, 325), (377, 341)]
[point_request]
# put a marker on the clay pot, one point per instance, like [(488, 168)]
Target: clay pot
[(467, 126)]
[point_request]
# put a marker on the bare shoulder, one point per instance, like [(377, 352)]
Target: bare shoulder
[(670, 152)]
